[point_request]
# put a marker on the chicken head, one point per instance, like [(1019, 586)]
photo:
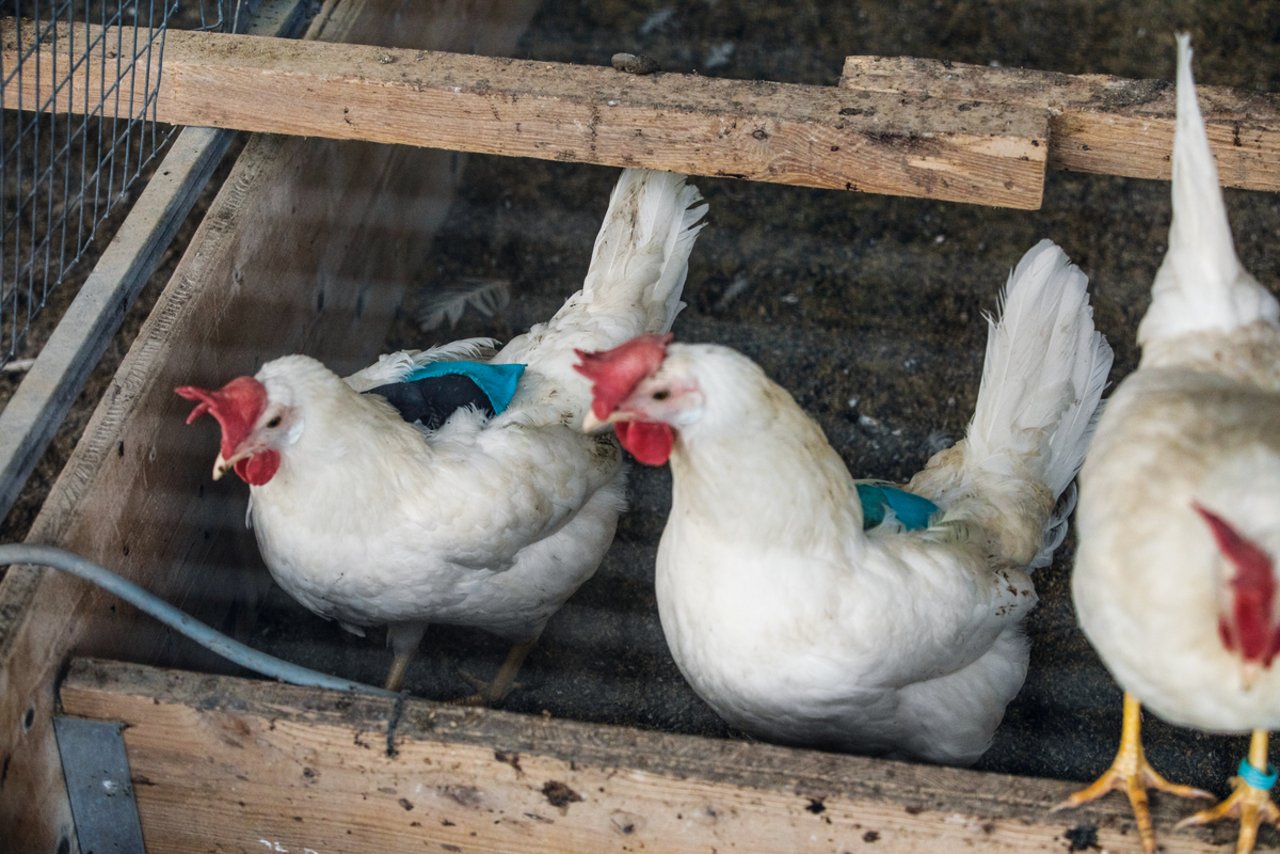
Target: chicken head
[(251, 427)]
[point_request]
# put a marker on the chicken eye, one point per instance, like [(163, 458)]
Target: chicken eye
[(274, 422), (661, 394)]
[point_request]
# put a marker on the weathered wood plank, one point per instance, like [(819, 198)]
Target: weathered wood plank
[(308, 247), (1100, 124), (223, 764), (962, 132), (816, 136)]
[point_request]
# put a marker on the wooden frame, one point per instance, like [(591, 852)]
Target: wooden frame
[(225, 764)]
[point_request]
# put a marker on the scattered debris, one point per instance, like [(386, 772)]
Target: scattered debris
[(634, 63), (719, 55), (1082, 837), (559, 795), (626, 823), (511, 758)]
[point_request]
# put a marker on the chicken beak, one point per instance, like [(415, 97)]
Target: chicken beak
[(592, 424), (1249, 673), (221, 466)]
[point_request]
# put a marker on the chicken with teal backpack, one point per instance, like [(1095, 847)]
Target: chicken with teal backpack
[(809, 608), (1175, 580)]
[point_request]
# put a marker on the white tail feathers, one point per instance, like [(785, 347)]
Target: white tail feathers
[(641, 254), (637, 273), (1042, 381), (1200, 284)]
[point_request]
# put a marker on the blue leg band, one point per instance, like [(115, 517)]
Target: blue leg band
[(1255, 778)]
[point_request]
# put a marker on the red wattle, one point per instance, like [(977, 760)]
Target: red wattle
[(648, 441), (259, 468)]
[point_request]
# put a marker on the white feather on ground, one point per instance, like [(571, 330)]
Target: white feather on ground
[(447, 304)]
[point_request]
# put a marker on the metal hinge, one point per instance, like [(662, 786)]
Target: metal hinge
[(99, 785)]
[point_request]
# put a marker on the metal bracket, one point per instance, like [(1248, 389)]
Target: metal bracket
[(99, 785)]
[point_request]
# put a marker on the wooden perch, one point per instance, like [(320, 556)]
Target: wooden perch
[(1100, 124), (898, 126), (220, 763), (817, 136)]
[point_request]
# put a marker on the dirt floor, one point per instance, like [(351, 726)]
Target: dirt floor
[(869, 309)]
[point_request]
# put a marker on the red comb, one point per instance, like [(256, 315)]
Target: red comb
[(615, 373), (236, 405)]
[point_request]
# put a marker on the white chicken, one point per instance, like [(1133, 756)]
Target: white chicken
[(492, 517), (1179, 523), (793, 622)]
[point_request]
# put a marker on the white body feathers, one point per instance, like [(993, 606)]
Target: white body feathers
[(485, 522), (797, 626), (1199, 421)]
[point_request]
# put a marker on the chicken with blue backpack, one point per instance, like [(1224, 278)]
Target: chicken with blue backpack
[(452, 485), (810, 608)]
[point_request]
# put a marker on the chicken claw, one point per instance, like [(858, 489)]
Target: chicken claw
[(1132, 774), (1250, 800), (489, 693)]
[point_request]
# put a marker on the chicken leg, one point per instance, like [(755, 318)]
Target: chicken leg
[(1132, 773), (500, 686), (1250, 801), (403, 639)]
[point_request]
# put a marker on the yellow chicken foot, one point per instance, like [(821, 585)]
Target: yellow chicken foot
[(1250, 799), (488, 693), (1131, 773)]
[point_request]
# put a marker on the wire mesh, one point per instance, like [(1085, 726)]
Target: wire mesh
[(68, 161)]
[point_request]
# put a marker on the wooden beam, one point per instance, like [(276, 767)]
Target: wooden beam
[(1100, 124), (220, 763), (308, 247), (895, 125), (816, 136)]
